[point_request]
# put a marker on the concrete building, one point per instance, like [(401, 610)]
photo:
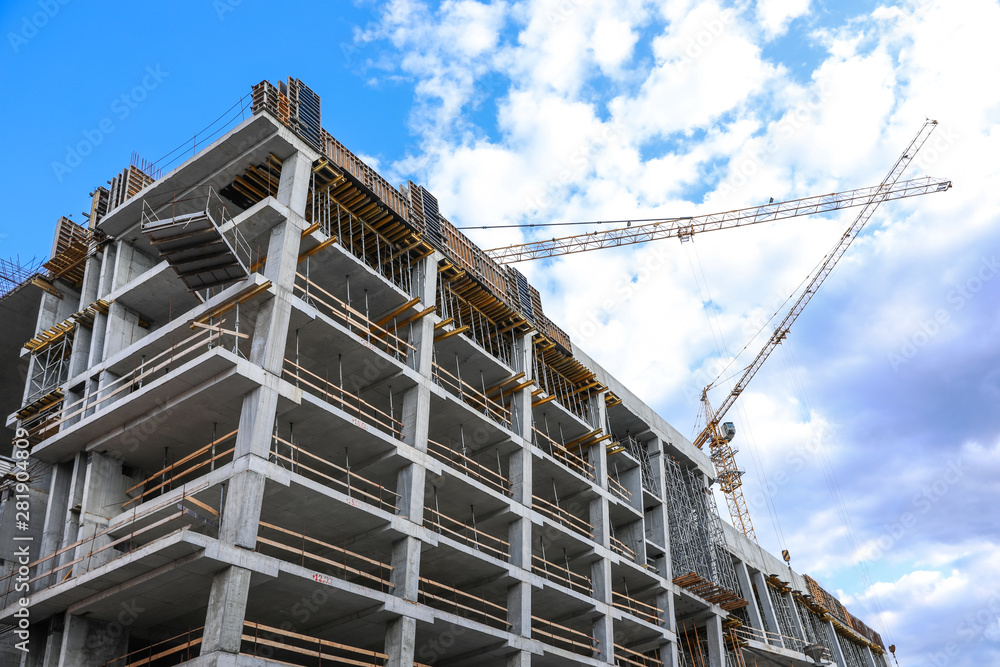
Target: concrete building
[(279, 411)]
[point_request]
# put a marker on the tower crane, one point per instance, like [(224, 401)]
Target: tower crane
[(719, 442), (718, 436)]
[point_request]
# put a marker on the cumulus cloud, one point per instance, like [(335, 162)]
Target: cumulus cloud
[(631, 109), (775, 15)]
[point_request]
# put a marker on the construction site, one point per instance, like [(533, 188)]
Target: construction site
[(268, 408)]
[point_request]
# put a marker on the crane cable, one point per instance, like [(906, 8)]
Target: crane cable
[(723, 350), (778, 310)]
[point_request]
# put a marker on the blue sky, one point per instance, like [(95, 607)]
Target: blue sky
[(884, 396)]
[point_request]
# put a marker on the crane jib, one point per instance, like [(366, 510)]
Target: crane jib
[(686, 227)]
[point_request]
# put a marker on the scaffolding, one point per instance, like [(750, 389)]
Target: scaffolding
[(780, 604), (853, 653), (13, 273), (701, 563), (640, 453), (50, 362)]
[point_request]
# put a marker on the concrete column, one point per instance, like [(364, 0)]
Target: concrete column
[(411, 481), (743, 576), (293, 187), (406, 568), (416, 401), (519, 659), (51, 644), (716, 645), (604, 632), (838, 654), (103, 494), (267, 344), (54, 524), (519, 532), (519, 609), (90, 643), (400, 641), (519, 536), (770, 616), (521, 401), (600, 518), (227, 604), (868, 656), (71, 532), (668, 654), (241, 513), (424, 287)]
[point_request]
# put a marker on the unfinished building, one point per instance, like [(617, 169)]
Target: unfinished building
[(282, 412)]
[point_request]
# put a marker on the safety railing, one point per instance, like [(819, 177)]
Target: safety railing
[(456, 459), (575, 399), (294, 648), (206, 338), (643, 610), (626, 656), (558, 514), (49, 571), (192, 201), (186, 469), (563, 637), (767, 637), (336, 395), (572, 461), (447, 598), (468, 535), (561, 575), (619, 490), (454, 309), (173, 651), (621, 548), (335, 560), (328, 473), (496, 411), (354, 321), (341, 226)]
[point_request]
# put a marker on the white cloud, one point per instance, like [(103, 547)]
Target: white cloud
[(775, 15), (629, 110)]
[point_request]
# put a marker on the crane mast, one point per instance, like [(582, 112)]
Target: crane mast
[(720, 447)]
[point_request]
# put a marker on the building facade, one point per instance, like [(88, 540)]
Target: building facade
[(280, 411)]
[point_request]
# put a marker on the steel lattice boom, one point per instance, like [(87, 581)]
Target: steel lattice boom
[(721, 450), (687, 227)]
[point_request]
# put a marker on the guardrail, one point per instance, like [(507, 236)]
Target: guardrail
[(345, 563), (446, 598), (308, 464), (563, 517), (562, 575), (469, 535), (572, 461), (183, 469), (643, 610), (773, 638), (209, 336), (354, 321), (562, 636), (469, 466), (340, 397), (626, 656), (82, 552), (497, 412)]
